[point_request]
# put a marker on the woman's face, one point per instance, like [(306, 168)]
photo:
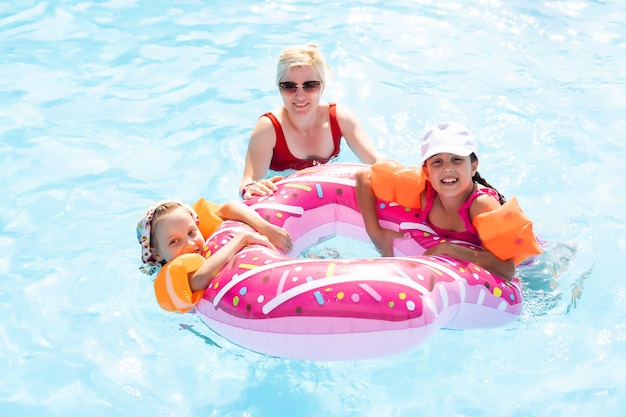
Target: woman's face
[(450, 174), (308, 92), (175, 233)]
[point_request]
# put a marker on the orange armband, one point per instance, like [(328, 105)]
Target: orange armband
[(507, 232), (209, 221), (171, 285), (391, 181)]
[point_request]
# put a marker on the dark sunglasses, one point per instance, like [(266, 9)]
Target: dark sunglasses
[(307, 86)]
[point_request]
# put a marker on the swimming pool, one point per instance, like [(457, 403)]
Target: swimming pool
[(107, 106)]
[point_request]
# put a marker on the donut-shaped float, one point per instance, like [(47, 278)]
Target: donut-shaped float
[(346, 309)]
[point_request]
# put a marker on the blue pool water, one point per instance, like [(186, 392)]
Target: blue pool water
[(106, 106)]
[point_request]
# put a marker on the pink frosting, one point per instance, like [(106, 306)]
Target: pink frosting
[(259, 284)]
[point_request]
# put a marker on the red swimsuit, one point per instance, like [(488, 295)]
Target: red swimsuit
[(283, 159)]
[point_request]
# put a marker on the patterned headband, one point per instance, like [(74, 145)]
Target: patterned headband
[(144, 225)]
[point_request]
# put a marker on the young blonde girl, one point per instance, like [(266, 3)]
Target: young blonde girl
[(170, 228)]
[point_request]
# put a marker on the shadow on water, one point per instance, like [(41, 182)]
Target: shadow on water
[(195, 332)]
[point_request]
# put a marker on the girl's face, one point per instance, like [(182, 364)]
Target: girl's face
[(451, 175), (306, 96), (175, 233)]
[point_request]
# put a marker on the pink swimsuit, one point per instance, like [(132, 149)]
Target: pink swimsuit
[(470, 234)]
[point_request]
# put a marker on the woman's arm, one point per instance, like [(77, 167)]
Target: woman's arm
[(209, 269), (503, 269), (381, 237), (356, 137), (236, 210), (258, 158)]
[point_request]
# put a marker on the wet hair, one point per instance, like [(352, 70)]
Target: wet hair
[(477, 178), (295, 56)]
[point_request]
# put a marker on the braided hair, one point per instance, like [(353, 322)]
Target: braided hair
[(477, 178)]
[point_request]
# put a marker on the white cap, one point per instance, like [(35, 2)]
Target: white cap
[(448, 137)]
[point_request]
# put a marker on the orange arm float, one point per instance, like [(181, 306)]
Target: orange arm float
[(391, 181), (171, 285), (209, 221), (507, 232)]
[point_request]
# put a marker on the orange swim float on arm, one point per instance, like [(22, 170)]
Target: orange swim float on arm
[(209, 221), (507, 232), (391, 181), (171, 285)]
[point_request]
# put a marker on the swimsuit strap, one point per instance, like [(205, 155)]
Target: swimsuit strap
[(431, 194), (464, 210), (281, 143), (334, 124), (430, 199)]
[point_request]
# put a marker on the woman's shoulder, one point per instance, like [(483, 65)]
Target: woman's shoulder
[(339, 108), (264, 126), (342, 112), (277, 112), (265, 120)]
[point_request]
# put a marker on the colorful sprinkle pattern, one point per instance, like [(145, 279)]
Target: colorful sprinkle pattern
[(260, 284), (324, 309)]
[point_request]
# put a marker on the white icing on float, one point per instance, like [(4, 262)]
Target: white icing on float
[(329, 309)]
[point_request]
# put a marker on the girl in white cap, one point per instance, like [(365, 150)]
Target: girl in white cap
[(453, 195)]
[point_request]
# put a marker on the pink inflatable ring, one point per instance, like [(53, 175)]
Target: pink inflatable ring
[(328, 309)]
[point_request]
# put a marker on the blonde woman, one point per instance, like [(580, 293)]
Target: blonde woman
[(303, 131)]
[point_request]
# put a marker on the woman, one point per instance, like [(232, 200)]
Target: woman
[(302, 132)]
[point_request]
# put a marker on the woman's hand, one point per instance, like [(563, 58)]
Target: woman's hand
[(261, 187)]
